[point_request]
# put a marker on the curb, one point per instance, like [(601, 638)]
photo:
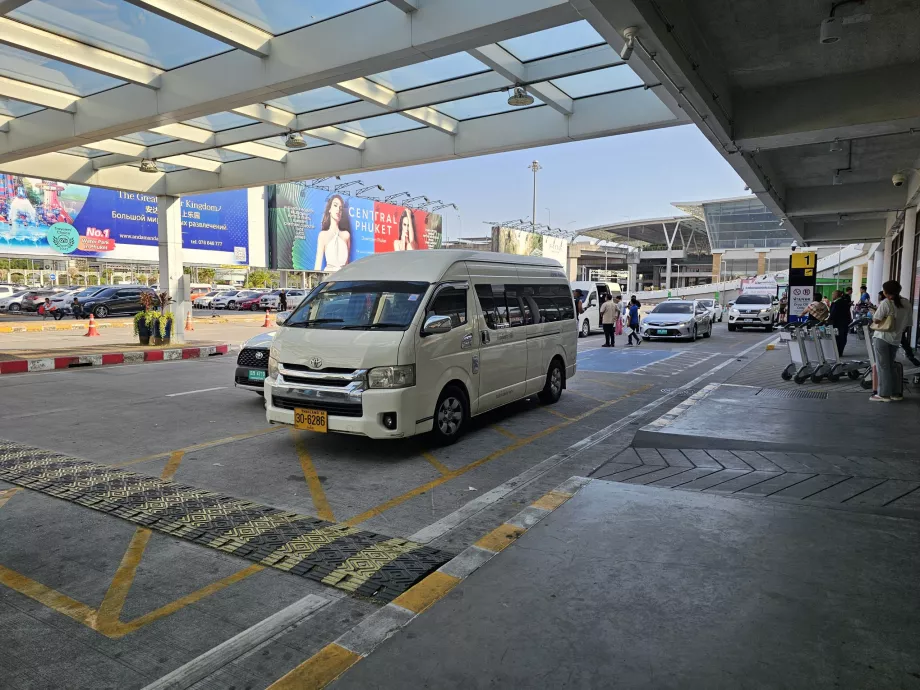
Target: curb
[(23, 366), (337, 657), (38, 328)]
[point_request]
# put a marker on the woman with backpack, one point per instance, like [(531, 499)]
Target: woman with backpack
[(888, 323)]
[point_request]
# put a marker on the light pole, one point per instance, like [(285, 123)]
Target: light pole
[(549, 216), (535, 166)]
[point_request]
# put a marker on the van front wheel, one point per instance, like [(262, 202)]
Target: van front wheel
[(555, 380), (449, 415), (585, 329)]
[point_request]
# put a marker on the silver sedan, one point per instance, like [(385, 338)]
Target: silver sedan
[(677, 319)]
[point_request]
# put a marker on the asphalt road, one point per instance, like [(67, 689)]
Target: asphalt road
[(123, 606)]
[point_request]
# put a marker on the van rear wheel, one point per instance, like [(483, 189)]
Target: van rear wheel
[(555, 382), (450, 415), (585, 329)]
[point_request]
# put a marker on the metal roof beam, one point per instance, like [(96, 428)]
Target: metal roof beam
[(407, 6), (193, 162), (210, 22), (335, 135), (389, 100), (269, 114), (500, 60), (38, 95), (57, 47)]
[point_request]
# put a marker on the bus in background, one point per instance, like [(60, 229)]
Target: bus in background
[(592, 291)]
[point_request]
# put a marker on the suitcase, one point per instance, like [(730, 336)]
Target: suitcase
[(898, 370)]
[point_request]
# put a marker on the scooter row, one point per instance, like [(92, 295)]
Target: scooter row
[(814, 355)]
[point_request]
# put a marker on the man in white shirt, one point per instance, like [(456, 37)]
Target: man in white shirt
[(610, 312)]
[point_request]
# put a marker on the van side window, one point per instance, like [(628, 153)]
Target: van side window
[(562, 296), (492, 302), (515, 312), (450, 301)]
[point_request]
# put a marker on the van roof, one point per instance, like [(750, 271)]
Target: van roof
[(428, 264)]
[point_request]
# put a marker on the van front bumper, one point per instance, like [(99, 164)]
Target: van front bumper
[(361, 414)]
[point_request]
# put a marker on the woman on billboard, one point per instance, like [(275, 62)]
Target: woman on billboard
[(407, 236), (333, 243)]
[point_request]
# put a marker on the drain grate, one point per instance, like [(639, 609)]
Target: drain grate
[(777, 393)]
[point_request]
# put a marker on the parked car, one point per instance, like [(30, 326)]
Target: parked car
[(33, 299), (204, 302), (62, 300), (273, 299), (716, 313), (250, 303), (677, 319), (760, 311), (117, 300), (82, 294), (229, 300), (13, 303), (252, 362)]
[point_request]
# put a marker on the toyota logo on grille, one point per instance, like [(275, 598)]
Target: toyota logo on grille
[(259, 355), (315, 362)]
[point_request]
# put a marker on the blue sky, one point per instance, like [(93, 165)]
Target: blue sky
[(584, 183)]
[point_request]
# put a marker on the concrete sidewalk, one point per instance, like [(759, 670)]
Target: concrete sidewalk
[(636, 587)]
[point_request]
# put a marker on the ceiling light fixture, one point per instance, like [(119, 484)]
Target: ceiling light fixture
[(149, 166), (630, 35), (520, 97), (832, 26), (295, 140)]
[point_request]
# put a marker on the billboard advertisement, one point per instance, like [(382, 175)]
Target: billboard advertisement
[(43, 217), (312, 229), (524, 243)]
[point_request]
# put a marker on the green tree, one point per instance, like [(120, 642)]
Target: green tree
[(259, 277), (206, 275)]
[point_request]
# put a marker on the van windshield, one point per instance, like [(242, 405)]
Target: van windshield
[(359, 305)]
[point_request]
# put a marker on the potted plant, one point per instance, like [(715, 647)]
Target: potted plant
[(163, 322), (143, 320)]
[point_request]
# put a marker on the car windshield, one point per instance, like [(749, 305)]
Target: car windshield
[(754, 299), (107, 292), (673, 308), (359, 304), (86, 292), (706, 302)]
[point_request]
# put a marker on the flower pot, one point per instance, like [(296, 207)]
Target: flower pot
[(143, 332), (161, 336)]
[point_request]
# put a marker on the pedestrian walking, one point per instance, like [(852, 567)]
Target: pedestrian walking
[(889, 323), (282, 301), (633, 322), (610, 314), (840, 318)]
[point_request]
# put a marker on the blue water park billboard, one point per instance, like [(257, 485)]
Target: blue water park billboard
[(44, 217)]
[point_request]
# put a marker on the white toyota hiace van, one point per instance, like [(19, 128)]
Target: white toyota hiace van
[(403, 343), (592, 292)]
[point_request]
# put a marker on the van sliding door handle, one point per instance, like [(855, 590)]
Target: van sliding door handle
[(484, 336)]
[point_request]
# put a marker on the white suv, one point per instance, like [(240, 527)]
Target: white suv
[(759, 311), (273, 299)]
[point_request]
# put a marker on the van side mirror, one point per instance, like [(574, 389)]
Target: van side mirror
[(281, 317), (436, 324)]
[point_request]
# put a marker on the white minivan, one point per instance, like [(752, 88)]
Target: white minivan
[(592, 290), (403, 343)]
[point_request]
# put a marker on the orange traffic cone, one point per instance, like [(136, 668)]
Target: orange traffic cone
[(188, 322), (267, 323), (92, 327)]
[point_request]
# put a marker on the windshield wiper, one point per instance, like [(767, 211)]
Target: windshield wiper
[(304, 324), (369, 326)]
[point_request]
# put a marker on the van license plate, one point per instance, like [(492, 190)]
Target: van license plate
[(662, 331), (257, 374), (310, 420)]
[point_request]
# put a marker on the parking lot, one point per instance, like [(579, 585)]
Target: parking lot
[(121, 604)]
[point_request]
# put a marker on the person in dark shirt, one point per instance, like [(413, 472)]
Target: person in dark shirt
[(840, 318)]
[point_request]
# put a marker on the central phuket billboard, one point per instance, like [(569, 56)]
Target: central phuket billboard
[(312, 229)]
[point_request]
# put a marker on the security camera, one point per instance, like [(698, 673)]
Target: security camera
[(794, 245), (898, 179)]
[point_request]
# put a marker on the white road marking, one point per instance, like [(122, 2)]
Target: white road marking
[(202, 390), (465, 512)]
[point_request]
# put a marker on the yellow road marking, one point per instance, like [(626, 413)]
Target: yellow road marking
[(173, 465), (201, 446), (584, 395), (318, 494), (500, 537), (114, 600), (558, 414), (608, 383), (422, 595), (520, 443), (8, 494), (504, 432), (437, 464), (551, 501), (319, 670), (51, 598)]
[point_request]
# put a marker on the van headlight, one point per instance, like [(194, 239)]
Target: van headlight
[(272, 363), (402, 376)]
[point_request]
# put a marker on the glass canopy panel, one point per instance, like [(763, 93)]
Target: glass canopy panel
[(743, 224), (146, 138), (559, 39), (317, 99), (85, 152), (218, 122), (222, 155), (279, 16), (116, 26), (480, 106), (13, 108), (429, 72), (380, 125), (278, 142), (52, 74), (598, 81)]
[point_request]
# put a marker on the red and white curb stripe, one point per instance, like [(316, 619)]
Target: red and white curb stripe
[(22, 366)]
